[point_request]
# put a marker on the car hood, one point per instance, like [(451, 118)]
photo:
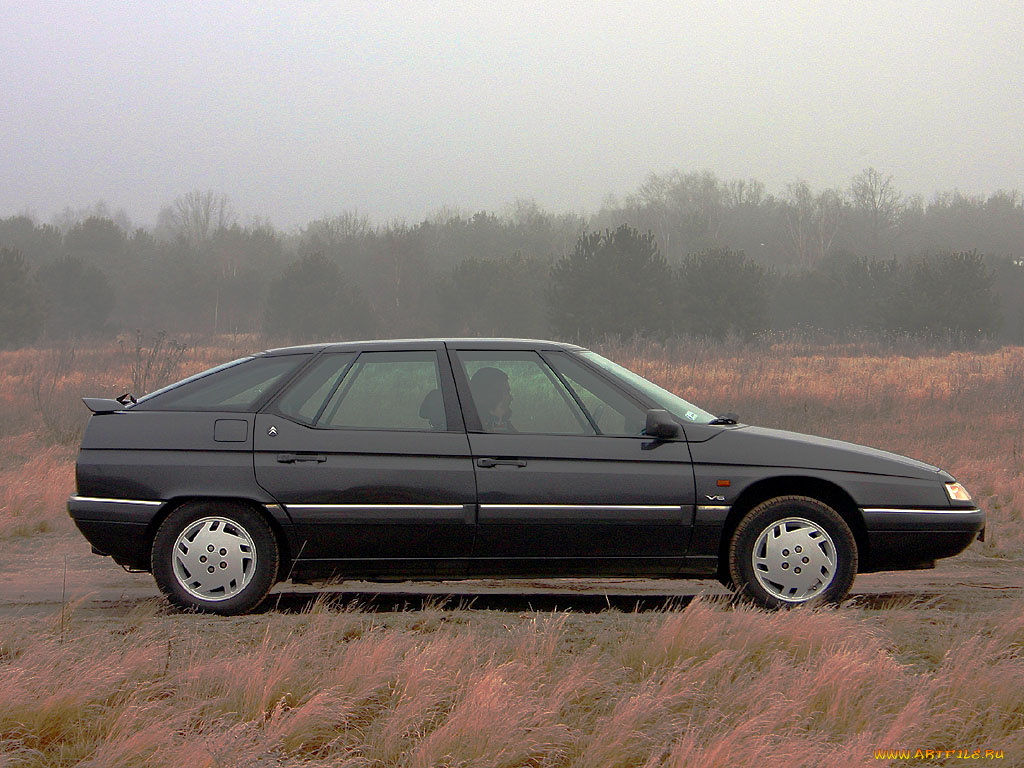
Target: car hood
[(778, 448)]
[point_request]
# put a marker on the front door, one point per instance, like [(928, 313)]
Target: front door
[(368, 455), (565, 486)]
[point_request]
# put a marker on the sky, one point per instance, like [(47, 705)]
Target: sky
[(304, 109)]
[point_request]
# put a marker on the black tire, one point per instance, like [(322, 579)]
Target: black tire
[(805, 554), (238, 553)]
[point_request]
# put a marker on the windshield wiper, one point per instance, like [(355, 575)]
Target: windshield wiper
[(727, 418)]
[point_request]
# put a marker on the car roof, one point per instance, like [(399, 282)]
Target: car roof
[(457, 343)]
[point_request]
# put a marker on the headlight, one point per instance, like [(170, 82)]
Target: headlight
[(957, 492)]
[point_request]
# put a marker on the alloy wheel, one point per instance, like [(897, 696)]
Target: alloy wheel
[(794, 559), (214, 558)]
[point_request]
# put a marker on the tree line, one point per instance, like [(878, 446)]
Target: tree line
[(686, 253)]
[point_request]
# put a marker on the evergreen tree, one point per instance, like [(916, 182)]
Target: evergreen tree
[(721, 292), (311, 301), (947, 296), (21, 306), (503, 297), (78, 296), (613, 282)]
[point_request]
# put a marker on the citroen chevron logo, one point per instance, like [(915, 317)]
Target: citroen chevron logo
[(272, 431)]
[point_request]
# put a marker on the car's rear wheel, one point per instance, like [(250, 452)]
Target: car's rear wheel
[(792, 550), (215, 557)]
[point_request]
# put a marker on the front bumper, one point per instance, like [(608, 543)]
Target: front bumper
[(116, 527), (916, 538)]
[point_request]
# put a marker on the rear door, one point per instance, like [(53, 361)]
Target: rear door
[(564, 486), (368, 454)]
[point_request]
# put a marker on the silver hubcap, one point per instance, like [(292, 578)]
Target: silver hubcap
[(214, 558), (794, 559)]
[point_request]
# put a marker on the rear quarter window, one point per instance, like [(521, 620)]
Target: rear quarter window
[(238, 387)]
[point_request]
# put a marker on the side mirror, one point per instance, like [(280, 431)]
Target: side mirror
[(661, 425)]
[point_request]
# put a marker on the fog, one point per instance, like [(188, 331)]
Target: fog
[(295, 110)]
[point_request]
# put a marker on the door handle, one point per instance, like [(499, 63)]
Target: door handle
[(292, 458), (501, 462)]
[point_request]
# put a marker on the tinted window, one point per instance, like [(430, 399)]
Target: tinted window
[(237, 387), (672, 403), (388, 390), (518, 392), (307, 396), (193, 377), (612, 411)]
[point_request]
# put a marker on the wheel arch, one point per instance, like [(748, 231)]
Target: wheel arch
[(280, 535), (823, 490)]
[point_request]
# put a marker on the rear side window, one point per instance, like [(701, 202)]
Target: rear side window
[(388, 390), (238, 387)]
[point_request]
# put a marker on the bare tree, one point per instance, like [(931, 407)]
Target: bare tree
[(67, 219), (685, 210), (812, 221), (830, 210), (742, 193), (330, 234), (195, 216), (875, 196)]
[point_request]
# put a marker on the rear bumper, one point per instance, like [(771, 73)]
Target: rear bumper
[(916, 538), (118, 510), (116, 527)]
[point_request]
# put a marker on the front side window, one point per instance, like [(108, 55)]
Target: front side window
[(613, 412), (238, 386), (674, 404), (388, 390), (518, 392)]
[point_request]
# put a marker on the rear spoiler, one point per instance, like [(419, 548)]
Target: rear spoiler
[(102, 405)]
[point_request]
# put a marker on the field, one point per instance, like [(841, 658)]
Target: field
[(930, 665)]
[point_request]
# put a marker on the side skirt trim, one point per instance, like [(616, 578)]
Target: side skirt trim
[(372, 507), (97, 500), (951, 511)]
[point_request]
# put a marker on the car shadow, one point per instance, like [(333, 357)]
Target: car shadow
[(390, 601), (547, 602), (543, 602)]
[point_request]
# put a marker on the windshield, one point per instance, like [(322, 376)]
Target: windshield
[(674, 404)]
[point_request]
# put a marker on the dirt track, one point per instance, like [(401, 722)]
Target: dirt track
[(32, 582)]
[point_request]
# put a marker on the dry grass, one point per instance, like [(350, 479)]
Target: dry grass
[(42, 417), (709, 685), (35, 482)]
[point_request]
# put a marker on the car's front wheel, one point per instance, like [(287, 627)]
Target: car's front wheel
[(215, 557), (792, 550)]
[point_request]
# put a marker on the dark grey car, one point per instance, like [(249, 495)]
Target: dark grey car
[(465, 458)]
